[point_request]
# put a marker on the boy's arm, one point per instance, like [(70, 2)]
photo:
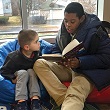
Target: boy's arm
[(7, 70), (14, 80)]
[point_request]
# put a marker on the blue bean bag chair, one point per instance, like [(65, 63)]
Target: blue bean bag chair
[(7, 89)]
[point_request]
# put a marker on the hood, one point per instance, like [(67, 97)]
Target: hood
[(91, 21), (88, 28)]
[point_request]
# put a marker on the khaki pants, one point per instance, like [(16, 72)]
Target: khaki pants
[(51, 74)]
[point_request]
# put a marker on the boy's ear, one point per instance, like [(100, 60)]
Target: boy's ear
[(26, 47), (82, 18)]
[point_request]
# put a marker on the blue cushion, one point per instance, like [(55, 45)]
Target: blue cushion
[(7, 47), (1, 78), (45, 47), (7, 89)]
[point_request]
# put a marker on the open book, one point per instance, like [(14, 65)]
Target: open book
[(70, 51)]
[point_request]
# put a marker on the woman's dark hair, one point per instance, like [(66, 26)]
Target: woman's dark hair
[(75, 7), (25, 37)]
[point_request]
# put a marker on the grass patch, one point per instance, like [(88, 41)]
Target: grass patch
[(7, 36), (14, 20)]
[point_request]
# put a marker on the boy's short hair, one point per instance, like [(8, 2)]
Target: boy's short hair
[(75, 7), (25, 37)]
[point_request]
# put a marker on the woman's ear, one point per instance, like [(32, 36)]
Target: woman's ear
[(82, 18), (26, 47)]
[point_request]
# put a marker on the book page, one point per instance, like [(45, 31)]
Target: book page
[(70, 46), (52, 57)]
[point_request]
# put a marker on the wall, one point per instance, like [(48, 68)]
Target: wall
[(103, 10), (106, 15)]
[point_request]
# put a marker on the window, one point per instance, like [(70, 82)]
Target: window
[(44, 16), (47, 15), (10, 18)]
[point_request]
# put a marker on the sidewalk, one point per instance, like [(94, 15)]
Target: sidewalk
[(38, 28)]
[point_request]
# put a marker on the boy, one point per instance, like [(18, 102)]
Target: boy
[(90, 68), (18, 69)]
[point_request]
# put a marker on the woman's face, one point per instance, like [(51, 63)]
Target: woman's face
[(71, 22)]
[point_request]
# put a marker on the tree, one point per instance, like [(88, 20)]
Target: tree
[(36, 11), (15, 7), (89, 5)]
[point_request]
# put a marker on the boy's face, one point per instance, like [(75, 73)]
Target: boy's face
[(35, 44), (71, 22)]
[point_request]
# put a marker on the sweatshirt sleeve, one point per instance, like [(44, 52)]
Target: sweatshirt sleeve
[(7, 71), (94, 61)]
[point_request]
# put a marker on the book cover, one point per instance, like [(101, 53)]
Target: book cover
[(70, 51)]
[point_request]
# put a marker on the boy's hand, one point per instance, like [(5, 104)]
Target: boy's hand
[(14, 80), (71, 63)]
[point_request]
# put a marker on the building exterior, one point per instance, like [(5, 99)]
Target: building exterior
[(5, 8)]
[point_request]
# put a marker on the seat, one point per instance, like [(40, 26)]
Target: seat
[(96, 96)]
